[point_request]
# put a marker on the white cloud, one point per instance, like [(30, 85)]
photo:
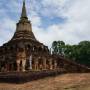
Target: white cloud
[(7, 28), (77, 25), (36, 20), (75, 29)]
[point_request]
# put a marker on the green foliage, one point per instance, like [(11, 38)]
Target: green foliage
[(58, 47), (79, 53), (54, 47)]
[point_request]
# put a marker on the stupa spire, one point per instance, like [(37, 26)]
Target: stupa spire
[(24, 12), (24, 27)]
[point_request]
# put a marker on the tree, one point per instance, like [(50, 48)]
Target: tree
[(68, 51), (54, 47), (79, 53), (58, 47), (61, 46), (84, 53)]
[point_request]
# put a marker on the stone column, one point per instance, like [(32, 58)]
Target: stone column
[(44, 63), (55, 64), (30, 62), (23, 64), (18, 65), (36, 63), (50, 63)]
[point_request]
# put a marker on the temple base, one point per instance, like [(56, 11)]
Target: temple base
[(22, 77)]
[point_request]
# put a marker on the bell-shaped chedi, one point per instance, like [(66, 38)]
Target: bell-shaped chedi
[(24, 28), (23, 39)]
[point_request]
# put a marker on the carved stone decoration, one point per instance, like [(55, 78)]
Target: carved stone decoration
[(30, 61), (21, 58)]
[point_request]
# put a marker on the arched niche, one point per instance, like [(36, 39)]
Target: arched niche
[(39, 48), (28, 46), (34, 48), (11, 48)]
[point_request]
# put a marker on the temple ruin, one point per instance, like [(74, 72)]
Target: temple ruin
[(25, 53)]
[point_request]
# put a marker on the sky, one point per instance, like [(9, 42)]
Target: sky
[(64, 20)]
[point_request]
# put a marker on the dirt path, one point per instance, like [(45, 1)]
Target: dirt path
[(62, 82)]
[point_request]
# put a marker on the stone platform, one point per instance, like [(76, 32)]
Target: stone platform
[(22, 77)]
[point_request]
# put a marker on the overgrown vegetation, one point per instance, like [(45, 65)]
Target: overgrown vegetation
[(79, 53)]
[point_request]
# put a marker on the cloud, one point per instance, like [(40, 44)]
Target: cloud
[(7, 28), (78, 21), (74, 29), (36, 20)]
